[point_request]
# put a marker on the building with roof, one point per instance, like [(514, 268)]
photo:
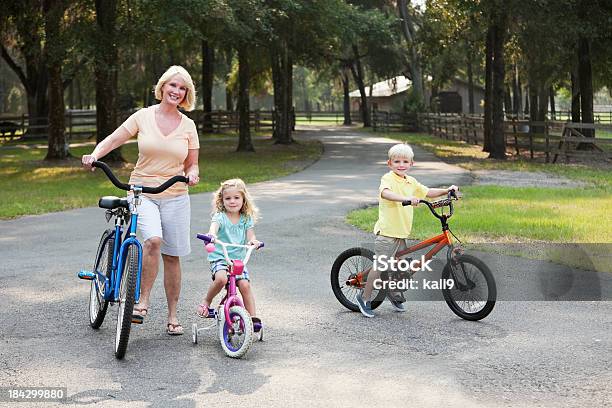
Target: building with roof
[(389, 95)]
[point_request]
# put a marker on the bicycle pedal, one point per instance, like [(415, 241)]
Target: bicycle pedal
[(137, 320), (86, 275)]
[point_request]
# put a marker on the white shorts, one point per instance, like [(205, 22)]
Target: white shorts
[(168, 219)]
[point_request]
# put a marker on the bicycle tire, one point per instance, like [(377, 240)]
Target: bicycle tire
[(127, 291), (241, 320), (103, 263), (468, 272), (346, 266)]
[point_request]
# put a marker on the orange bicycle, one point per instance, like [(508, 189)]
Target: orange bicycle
[(471, 295)]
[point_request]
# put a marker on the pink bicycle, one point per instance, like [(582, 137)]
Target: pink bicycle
[(235, 326)]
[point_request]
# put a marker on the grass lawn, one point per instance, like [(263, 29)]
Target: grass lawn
[(533, 215), (31, 185)]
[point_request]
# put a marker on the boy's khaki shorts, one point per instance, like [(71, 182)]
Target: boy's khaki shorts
[(388, 246)]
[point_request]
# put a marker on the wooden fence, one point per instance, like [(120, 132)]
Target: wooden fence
[(551, 140), (82, 124)]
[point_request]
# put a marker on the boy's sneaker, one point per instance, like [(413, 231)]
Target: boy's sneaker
[(364, 307), (397, 302)]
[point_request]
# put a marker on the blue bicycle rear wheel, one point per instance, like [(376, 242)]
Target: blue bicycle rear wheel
[(103, 265)]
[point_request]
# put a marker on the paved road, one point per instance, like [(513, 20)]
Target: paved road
[(317, 354)]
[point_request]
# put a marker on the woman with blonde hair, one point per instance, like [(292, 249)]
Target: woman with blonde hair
[(168, 145)]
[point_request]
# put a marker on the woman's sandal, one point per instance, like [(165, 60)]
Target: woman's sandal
[(174, 329), (138, 314)]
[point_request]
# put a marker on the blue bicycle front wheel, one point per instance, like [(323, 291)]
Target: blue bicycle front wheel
[(103, 265), (127, 291)]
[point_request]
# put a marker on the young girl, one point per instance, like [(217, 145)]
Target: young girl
[(233, 217)]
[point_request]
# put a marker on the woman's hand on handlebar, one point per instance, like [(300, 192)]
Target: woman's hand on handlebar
[(193, 179), (87, 161)]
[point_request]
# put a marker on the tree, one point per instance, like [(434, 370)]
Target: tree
[(23, 30), (414, 62), (105, 71), (54, 51)]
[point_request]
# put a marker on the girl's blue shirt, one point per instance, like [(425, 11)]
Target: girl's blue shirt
[(231, 233)]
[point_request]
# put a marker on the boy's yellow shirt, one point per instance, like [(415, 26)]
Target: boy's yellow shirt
[(395, 220)]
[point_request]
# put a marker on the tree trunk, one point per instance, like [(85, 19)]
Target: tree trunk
[(245, 143), (414, 64), (542, 103), (585, 79), (35, 79), (516, 92), (470, 78), (507, 100), (527, 103), (346, 100), (105, 72), (575, 97), (488, 90), (533, 105), (498, 140), (54, 50), (284, 136), (275, 63), (208, 67), (553, 110), (357, 71), (229, 96)]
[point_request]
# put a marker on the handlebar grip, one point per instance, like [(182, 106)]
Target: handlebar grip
[(165, 185), (261, 245), (406, 202), (206, 238)]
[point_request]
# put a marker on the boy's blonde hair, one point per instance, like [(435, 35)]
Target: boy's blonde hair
[(248, 206), (188, 103), (401, 150)]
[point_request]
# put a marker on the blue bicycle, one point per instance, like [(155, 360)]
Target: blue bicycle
[(118, 264)]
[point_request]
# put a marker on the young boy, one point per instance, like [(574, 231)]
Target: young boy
[(395, 221)]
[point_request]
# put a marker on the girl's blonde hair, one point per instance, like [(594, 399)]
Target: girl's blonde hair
[(248, 206), (188, 103)]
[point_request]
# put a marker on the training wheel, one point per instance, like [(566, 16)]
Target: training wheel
[(194, 333)]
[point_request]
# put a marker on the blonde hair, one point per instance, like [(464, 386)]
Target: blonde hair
[(401, 150), (188, 103), (248, 206)]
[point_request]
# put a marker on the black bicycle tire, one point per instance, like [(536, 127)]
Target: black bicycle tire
[(106, 243), (491, 289), (335, 278), (126, 308)]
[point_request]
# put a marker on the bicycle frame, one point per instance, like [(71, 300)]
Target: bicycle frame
[(120, 251)]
